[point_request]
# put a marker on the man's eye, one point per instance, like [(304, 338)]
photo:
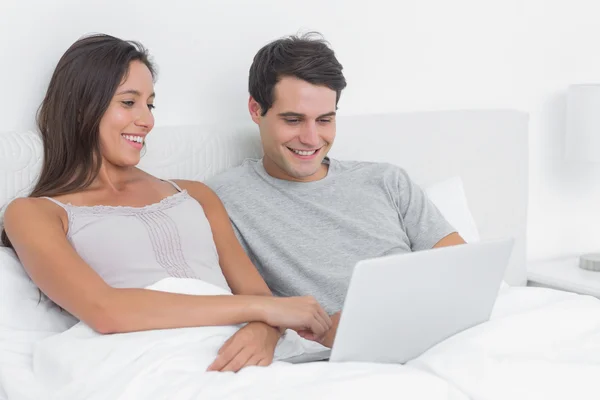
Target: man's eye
[(292, 121)]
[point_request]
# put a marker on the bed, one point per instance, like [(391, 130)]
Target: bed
[(539, 343)]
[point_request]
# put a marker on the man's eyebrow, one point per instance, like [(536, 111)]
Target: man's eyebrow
[(134, 92), (290, 114), (298, 115), (329, 114)]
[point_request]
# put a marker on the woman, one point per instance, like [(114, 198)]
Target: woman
[(96, 230)]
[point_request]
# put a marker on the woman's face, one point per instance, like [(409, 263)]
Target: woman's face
[(128, 118)]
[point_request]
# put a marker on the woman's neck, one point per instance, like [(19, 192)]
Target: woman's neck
[(115, 178)]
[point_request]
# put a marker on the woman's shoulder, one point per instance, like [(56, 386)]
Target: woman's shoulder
[(194, 188), (24, 205), (198, 190), (32, 211), (189, 185)]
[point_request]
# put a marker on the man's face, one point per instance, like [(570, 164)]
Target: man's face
[(298, 130)]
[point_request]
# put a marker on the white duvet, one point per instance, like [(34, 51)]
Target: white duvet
[(539, 344), (171, 364)]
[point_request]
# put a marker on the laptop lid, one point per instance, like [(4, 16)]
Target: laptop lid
[(399, 306)]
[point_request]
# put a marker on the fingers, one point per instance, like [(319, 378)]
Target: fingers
[(238, 362), (265, 362), (225, 355), (326, 318), (326, 321), (256, 360), (322, 323), (236, 354), (259, 360), (322, 317), (226, 345), (308, 335), (251, 359), (319, 328)]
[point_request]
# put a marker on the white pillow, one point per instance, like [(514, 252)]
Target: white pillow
[(21, 307), (24, 319), (449, 197)]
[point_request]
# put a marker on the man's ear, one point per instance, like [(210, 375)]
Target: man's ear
[(255, 110)]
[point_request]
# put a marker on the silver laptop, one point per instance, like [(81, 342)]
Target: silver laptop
[(397, 307)]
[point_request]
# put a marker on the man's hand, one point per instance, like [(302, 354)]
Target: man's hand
[(254, 344), (329, 337)]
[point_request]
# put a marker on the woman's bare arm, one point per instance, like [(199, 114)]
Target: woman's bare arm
[(36, 231)]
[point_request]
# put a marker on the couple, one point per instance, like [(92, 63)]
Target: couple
[(281, 233)]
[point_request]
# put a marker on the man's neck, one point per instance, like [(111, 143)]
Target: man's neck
[(275, 171)]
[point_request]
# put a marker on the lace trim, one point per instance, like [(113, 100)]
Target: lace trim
[(166, 243), (166, 203)]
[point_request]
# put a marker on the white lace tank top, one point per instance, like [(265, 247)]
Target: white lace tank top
[(134, 247)]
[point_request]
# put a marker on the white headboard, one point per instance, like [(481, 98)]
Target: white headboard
[(488, 149)]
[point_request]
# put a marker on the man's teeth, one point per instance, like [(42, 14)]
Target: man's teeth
[(304, 153), (132, 138)]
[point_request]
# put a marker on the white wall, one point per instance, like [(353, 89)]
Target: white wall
[(398, 56)]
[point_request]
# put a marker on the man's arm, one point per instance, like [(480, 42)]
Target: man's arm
[(452, 239)]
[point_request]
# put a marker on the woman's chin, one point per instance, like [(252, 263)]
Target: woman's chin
[(125, 162), (131, 163)]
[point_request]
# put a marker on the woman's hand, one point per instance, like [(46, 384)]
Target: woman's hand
[(329, 337), (254, 344), (302, 314)]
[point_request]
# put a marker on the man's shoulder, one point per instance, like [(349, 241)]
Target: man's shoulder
[(370, 168), (375, 173), (234, 178)]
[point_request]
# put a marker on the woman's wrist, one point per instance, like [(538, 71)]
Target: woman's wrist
[(257, 309), (258, 312)]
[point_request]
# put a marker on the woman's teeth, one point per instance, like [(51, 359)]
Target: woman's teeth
[(304, 153), (132, 138)]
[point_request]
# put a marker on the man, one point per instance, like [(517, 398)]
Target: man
[(305, 219)]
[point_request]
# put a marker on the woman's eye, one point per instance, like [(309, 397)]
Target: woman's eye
[(128, 103), (151, 107)]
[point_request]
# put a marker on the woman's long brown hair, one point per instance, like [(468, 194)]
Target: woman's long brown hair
[(80, 90)]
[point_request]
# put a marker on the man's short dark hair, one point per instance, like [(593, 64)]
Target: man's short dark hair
[(304, 57)]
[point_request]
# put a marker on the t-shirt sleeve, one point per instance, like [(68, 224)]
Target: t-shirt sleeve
[(423, 222)]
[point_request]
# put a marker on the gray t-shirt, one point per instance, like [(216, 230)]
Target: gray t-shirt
[(306, 238)]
